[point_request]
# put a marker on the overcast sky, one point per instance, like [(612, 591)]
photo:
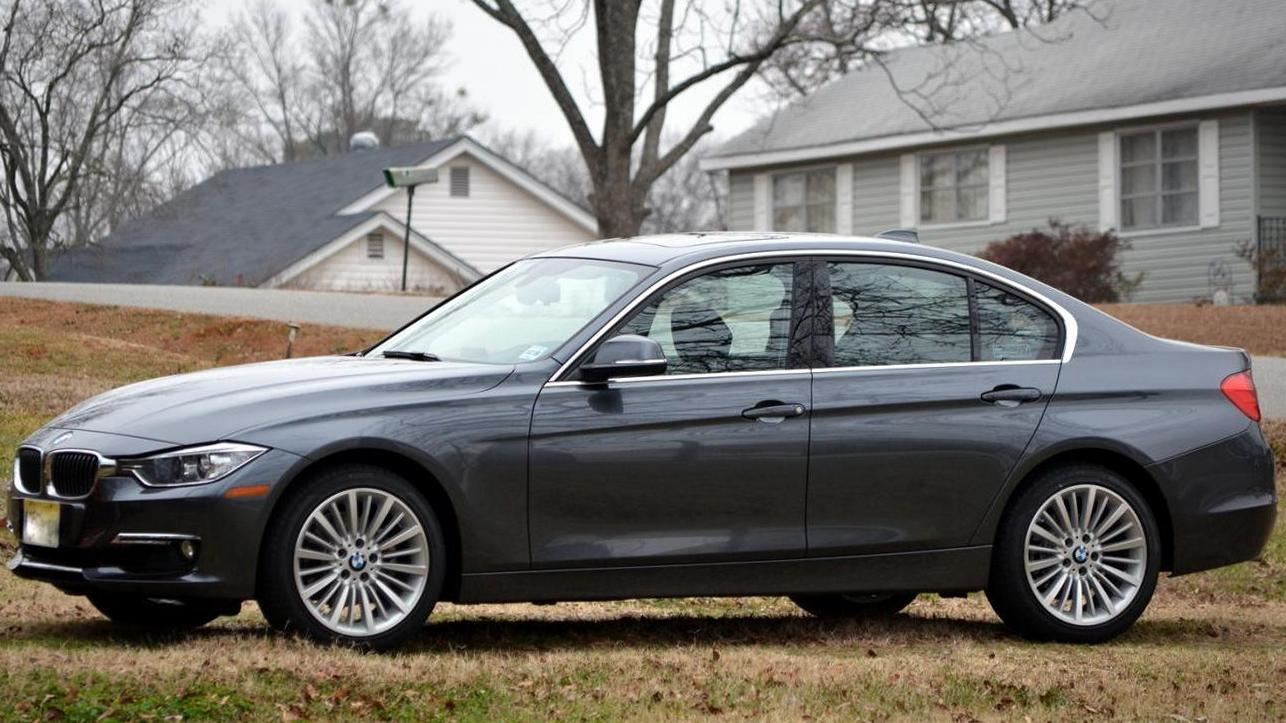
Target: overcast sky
[(489, 62)]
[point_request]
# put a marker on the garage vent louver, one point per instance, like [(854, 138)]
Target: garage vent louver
[(460, 181), (73, 473)]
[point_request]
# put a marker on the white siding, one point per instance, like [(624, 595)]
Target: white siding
[(497, 223), (741, 202), (349, 269), (1056, 174)]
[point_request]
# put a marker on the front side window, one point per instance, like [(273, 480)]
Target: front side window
[(954, 186), (728, 320), (804, 201), (887, 314), (1159, 178), (521, 313)]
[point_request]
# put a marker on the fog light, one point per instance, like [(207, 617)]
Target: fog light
[(187, 550)]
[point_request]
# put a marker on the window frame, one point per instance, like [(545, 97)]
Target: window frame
[(580, 350), (985, 185), (831, 169), (824, 338), (1156, 129)]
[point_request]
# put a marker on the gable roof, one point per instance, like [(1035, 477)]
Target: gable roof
[(241, 226), (1119, 59)]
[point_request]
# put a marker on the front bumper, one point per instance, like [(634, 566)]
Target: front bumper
[(1222, 501), (125, 537)]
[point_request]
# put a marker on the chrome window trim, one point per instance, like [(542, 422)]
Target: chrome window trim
[(1070, 327), (680, 377), (106, 468)]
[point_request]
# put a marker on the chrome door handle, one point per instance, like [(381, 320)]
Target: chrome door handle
[(1009, 395), (774, 411)]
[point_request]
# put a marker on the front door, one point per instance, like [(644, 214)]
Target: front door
[(926, 395), (681, 467)]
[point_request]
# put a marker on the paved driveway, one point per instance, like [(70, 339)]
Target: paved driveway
[(1270, 380), (364, 311)]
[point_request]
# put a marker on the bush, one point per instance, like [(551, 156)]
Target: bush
[(1072, 259)]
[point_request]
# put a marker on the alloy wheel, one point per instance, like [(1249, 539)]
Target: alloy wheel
[(361, 562), (1085, 554)]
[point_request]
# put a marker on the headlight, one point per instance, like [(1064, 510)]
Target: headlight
[(190, 466)]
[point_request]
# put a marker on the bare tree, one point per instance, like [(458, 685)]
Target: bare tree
[(75, 77), (718, 45), (360, 65)]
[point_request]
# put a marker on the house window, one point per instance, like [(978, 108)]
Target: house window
[(804, 201), (1159, 178), (953, 186), (375, 245), (460, 182)]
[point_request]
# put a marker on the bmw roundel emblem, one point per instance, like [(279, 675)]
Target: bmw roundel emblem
[(357, 561), (1080, 554)]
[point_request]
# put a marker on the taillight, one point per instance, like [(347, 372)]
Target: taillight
[(1240, 390)]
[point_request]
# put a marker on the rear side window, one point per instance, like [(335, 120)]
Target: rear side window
[(887, 314), (1011, 328)]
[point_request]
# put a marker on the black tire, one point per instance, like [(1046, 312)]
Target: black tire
[(1008, 589), (281, 603), (160, 614), (856, 605)]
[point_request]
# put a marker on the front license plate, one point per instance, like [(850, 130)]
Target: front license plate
[(40, 522)]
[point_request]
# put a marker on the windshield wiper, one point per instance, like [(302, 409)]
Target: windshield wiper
[(413, 355)]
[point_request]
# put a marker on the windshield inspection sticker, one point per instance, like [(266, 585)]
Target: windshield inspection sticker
[(532, 352)]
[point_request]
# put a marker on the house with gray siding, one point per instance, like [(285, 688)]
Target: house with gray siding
[(1161, 120)]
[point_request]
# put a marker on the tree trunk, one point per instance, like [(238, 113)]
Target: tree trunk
[(617, 207)]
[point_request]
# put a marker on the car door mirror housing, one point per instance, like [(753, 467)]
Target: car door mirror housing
[(627, 355)]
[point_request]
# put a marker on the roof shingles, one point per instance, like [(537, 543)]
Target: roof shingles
[(1118, 53), (241, 226)]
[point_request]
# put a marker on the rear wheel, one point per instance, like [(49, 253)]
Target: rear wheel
[(356, 557), (159, 613), (1076, 558), (854, 605)]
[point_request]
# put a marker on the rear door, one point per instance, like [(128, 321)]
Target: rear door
[(926, 393)]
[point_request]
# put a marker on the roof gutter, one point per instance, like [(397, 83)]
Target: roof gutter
[(996, 128)]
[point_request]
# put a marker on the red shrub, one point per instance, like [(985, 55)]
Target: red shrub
[(1073, 259)]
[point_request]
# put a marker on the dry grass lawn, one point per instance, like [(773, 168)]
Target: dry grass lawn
[(1212, 646)]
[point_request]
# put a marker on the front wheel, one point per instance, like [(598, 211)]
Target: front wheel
[(854, 605), (1076, 557), (357, 557)]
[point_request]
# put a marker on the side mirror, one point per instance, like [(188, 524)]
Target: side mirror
[(627, 355)]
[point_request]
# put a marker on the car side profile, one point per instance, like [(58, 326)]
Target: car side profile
[(846, 421)]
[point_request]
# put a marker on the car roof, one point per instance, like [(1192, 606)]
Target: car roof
[(663, 249)]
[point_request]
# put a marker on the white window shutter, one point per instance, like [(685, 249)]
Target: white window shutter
[(844, 198), (910, 188), (763, 202), (1208, 162), (1107, 203), (996, 191)]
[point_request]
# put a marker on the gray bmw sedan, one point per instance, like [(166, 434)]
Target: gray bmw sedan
[(846, 421)]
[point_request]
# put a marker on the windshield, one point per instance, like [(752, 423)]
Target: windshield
[(522, 313)]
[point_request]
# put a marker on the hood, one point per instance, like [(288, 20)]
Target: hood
[(215, 404)]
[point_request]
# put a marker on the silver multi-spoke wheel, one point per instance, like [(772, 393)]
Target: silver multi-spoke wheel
[(1085, 554), (361, 562)]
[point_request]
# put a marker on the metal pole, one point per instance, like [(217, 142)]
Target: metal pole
[(406, 244)]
